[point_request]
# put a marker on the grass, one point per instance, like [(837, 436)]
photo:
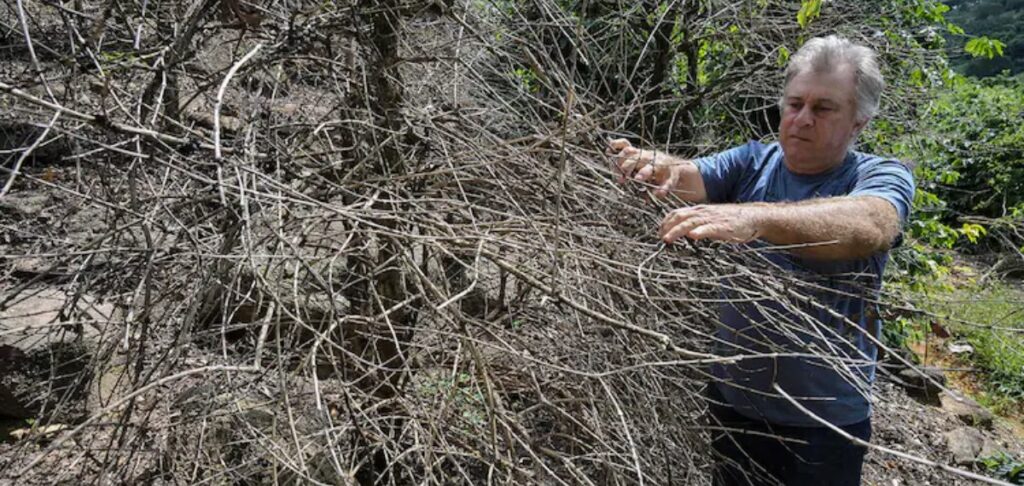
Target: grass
[(989, 317)]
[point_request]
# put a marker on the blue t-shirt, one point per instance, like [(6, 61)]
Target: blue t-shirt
[(835, 387)]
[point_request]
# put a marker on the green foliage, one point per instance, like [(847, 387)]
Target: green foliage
[(706, 78), (988, 317), (984, 47), (972, 147), (809, 10), (526, 79), (969, 154), (116, 56), (461, 393), (982, 22), (900, 331), (783, 58), (1005, 467)]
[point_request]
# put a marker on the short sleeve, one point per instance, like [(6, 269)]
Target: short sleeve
[(889, 180), (723, 171)]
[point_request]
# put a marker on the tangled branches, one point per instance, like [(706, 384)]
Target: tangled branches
[(368, 242)]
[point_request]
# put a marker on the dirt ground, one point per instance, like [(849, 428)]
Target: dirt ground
[(906, 425)]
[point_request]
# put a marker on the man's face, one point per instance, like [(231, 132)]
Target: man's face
[(819, 120)]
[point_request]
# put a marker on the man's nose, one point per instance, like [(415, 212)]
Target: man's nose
[(804, 117)]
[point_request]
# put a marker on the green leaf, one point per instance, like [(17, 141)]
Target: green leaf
[(809, 10), (973, 232), (984, 47), (917, 77), (783, 56)]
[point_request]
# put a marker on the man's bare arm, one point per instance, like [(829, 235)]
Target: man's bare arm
[(841, 228)]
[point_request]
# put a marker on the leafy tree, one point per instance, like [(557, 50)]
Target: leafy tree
[(969, 154), (983, 21)]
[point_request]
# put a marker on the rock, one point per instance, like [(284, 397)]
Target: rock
[(84, 225), (23, 205), (965, 443), (30, 266), (255, 414), (112, 380), (960, 348), (45, 336), (922, 382), (40, 317), (968, 411), (990, 448), (228, 123), (195, 399), (287, 109), (896, 359)]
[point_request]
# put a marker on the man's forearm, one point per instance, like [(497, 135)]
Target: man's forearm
[(689, 185), (833, 228)]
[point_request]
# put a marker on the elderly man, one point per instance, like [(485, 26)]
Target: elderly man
[(842, 210)]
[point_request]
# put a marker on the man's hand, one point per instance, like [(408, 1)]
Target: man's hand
[(647, 166), (735, 223)]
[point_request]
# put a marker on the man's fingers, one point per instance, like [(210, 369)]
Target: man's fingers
[(644, 173), (668, 186), (616, 145), (674, 220), (705, 223), (679, 215), (684, 229), (711, 231), (620, 156), (627, 166), (630, 163)]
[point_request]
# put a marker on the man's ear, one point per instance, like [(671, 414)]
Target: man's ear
[(859, 126)]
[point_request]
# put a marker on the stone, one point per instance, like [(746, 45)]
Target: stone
[(255, 414), (968, 411), (45, 336), (24, 205), (897, 359), (922, 382), (965, 443), (990, 448), (30, 266), (960, 348), (287, 109), (195, 399), (40, 317), (111, 381)]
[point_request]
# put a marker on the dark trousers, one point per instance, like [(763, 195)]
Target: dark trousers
[(750, 452)]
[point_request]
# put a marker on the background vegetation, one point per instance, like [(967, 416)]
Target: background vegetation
[(1002, 20), (968, 152)]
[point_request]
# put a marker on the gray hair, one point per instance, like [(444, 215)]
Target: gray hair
[(826, 54)]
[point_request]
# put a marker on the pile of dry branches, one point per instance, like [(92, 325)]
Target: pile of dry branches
[(365, 242)]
